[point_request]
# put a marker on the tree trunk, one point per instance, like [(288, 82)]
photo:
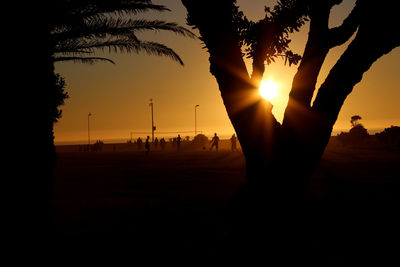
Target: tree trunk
[(33, 152), (269, 214), (37, 177)]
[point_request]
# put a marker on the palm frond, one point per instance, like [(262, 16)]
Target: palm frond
[(78, 11), (87, 60), (125, 9), (126, 45), (118, 27), (83, 26), (157, 49), (140, 25)]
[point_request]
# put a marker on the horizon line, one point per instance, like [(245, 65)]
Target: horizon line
[(222, 135)]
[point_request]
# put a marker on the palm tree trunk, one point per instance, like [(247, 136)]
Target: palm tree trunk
[(43, 160), (34, 152)]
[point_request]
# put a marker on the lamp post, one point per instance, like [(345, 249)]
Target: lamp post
[(195, 119), (152, 120), (88, 126)]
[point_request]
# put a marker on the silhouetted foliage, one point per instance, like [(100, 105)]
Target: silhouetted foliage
[(71, 30), (390, 136), (354, 120), (359, 130), (270, 36), (230, 37), (79, 28), (60, 96), (357, 135), (200, 141)]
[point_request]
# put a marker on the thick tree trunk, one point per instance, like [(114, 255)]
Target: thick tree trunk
[(33, 160), (267, 151), (37, 176), (269, 212)]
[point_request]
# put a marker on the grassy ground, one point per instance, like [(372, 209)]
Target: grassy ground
[(172, 204)]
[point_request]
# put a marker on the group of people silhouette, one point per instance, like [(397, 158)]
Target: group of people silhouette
[(176, 143), (215, 141), (147, 143)]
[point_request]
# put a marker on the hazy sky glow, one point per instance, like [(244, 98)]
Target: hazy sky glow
[(118, 95)]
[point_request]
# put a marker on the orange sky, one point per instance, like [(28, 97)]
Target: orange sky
[(118, 95)]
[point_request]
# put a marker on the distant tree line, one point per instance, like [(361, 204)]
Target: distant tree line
[(359, 136)]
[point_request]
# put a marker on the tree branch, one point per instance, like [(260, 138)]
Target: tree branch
[(374, 39), (339, 35), (298, 112)]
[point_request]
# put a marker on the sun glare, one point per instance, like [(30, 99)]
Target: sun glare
[(269, 90)]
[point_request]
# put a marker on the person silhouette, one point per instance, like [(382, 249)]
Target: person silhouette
[(147, 144), (156, 143), (233, 142), (162, 143), (139, 143), (178, 142), (214, 142)]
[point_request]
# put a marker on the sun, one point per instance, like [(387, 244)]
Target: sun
[(269, 89)]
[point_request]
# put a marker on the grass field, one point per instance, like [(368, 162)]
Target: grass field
[(170, 203)]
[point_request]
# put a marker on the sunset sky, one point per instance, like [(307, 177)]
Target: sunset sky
[(118, 95)]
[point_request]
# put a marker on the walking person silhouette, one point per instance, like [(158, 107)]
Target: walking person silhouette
[(162, 143), (139, 143), (214, 142), (147, 144), (178, 142), (233, 142), (156, 143)]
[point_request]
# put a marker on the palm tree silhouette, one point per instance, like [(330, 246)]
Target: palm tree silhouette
[(79, 28), (75, 30)]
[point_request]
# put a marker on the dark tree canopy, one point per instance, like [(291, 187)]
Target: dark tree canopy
[(79, 28), (300, 140), (354, 120), (60, 96)]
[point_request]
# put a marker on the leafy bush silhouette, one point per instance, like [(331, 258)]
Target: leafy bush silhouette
[(390, 136), (200, 141), (357, 135)]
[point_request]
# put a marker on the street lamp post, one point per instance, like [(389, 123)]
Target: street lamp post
[(152, 121), (88, 127), (195, 119)]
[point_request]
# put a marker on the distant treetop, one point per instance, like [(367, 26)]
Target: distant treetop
[(354, 120)]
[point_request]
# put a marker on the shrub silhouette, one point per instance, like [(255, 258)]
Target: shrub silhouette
[(200, 141), (357, 135), (390, 136)]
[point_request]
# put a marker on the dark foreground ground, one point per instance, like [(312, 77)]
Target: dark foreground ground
[(171, 205)]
